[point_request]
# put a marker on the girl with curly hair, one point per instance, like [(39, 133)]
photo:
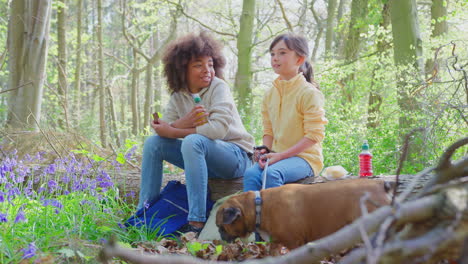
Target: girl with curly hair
[(207, 141)]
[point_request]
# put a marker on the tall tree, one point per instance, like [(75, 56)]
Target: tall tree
[(62, 60), (331, 11), (375, 98), (356, 27), (440, 27), (102, 89), (244, 56), (407, 51), (77, 86), (28, 38)]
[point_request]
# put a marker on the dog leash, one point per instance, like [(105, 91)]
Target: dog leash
[(265, 174), (258, 202)]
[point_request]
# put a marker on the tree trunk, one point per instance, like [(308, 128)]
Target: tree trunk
[(62, 61), (375, 98), (331, 9), (102, 89), (134, 95), (407, 47), (440, 27), (28, 38), (407, 52), (353, 41), (244, 56), (148, 94), (338, 42), (77, 112)]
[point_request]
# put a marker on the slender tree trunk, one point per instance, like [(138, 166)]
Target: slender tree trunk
[(134, 95), (62, 61), (440, 27), (102, 89), (339, 41), (407, 52), (244, 56), (77, 87), (113, 117), (375, 98), (28, 38), (148, 94), (353, 41), (331, 11)]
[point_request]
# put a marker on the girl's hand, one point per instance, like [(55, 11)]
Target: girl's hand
[(192, 118), (274, 157), (259, 151), (162, 128)]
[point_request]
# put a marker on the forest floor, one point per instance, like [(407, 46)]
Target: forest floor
[(56, 145)]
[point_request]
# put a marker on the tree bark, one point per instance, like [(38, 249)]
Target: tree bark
[(440, 27), (244, 56), (102, 89), (407, 52), (62, 61), (77, 86), (375, 98), (331, 11), (28, 38)]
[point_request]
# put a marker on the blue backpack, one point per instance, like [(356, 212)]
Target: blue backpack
[(169, 213)]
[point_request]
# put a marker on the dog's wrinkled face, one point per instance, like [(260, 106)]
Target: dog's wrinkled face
[(230, 222)]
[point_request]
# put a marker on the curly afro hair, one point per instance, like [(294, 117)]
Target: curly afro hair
[(179, 53)]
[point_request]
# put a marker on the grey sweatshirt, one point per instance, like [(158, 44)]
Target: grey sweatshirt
[(224, 122)]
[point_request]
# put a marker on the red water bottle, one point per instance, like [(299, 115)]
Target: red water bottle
[(365, 161)]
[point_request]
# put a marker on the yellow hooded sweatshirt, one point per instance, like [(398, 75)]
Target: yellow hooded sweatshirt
[(292, 110)]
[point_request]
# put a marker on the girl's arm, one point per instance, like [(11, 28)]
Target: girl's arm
[(268, 141), (164, 129)]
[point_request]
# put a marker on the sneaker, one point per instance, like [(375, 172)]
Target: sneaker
[(190, 228)]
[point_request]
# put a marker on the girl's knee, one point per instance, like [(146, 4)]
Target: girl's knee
[(274, 179), (193, 140)]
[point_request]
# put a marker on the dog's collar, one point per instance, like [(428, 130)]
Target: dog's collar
[(258, 209)]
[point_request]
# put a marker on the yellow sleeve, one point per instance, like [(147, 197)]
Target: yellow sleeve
[(267, 128), (314, 115)]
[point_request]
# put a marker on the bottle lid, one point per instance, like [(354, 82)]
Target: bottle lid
[(365, 145), (196, 98)]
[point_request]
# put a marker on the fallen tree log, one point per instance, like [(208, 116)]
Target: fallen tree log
[(430, 226)]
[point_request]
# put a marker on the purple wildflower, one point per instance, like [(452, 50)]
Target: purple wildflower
[(52, 185), (20, 217), (53, 202), (50, 169), (130, 194), (3, 218), (30, 251), (12, 193), (2, 197), (130, 153)]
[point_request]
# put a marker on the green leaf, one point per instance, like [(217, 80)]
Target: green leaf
[(68, 253), (120, 158)]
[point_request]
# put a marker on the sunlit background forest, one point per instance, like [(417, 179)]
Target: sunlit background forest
[(90, 72)]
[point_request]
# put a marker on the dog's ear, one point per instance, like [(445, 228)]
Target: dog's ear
[(230, 214)]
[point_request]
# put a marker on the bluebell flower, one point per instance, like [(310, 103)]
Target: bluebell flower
[(2, 197), (146, 204), (30, 251), (3, 218), (20, 217), (50, 169), (52, 185)]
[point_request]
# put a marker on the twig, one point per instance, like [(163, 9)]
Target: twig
[(445, 159), (45, 136), (12, 89)]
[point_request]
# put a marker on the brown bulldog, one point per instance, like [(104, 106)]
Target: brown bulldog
[(295, 214)]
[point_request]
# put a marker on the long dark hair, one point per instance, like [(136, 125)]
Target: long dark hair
[(299, 45), (179, 53)]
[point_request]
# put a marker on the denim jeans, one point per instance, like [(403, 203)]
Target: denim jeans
[(200, 157), (282, 172)]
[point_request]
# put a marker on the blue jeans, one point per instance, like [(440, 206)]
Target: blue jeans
[(282, 172), (200, 157)]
